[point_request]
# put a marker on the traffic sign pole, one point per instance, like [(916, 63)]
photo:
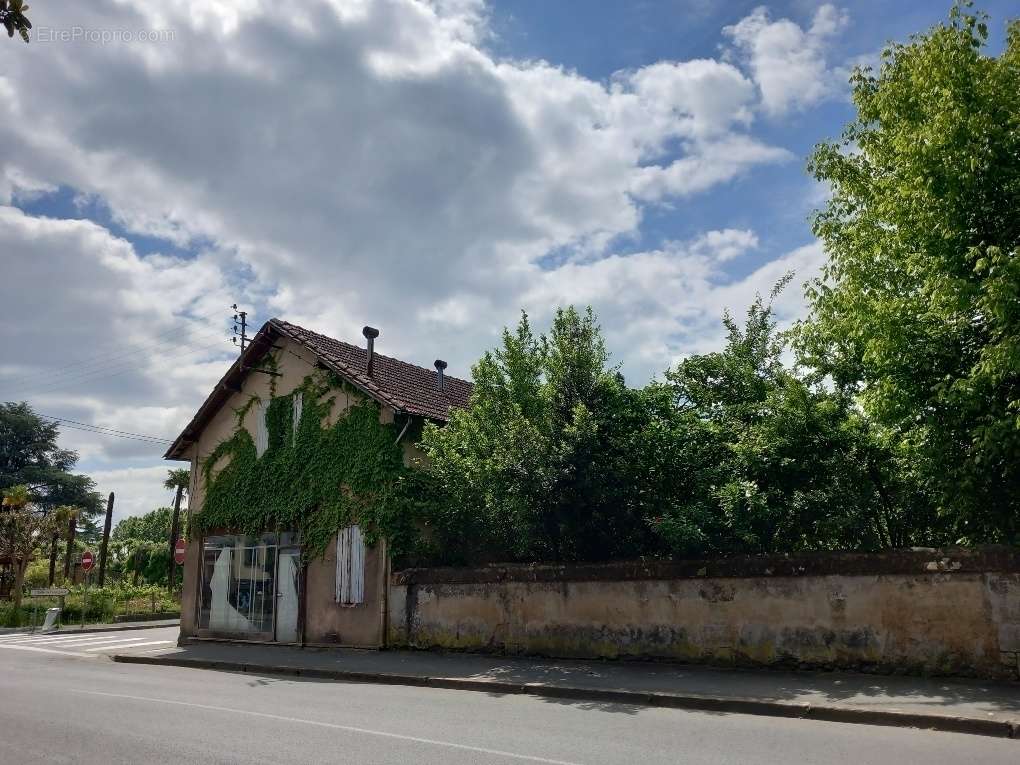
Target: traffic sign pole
[(87, 562)]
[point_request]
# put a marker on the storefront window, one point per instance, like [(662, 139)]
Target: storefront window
[(239, 587)]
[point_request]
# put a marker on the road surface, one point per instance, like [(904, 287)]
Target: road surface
[(66, 702)]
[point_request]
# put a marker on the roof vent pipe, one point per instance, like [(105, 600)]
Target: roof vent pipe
[(440, 378), (370, 333)]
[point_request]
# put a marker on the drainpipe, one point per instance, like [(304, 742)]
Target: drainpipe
[(407, 424)]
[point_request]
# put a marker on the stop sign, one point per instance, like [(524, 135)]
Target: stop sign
[(87, 561), (179, 550)]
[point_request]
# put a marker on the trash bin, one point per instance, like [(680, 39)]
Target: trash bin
[(52, 617)]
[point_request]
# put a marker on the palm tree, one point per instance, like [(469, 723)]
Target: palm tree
[(179, 479), (13, 19)]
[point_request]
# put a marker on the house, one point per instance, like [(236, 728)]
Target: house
[(252, 572)]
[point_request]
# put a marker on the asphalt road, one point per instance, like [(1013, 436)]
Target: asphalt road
[(68, 704)]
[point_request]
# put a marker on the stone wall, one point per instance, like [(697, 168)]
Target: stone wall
[(942, 612)]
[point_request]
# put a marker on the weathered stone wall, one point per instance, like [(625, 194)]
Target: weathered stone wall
[(943, 612)]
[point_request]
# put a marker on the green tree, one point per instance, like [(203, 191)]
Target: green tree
[(23, 527), (30, 456), (538, 466), (138, 545), (918, 310), (13, 19), (750, 456)]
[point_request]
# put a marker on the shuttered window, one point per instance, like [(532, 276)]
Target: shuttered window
[(261, 430), (350, 567), (298, 404)]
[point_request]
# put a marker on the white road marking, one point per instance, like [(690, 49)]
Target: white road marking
[(67, 639), (131, 645), (45, 650), (136, 638), (332, 726)]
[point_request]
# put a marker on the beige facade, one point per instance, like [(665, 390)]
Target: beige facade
[(322, 620)]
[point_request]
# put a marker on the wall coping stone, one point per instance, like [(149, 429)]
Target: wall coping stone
[(914, 561)]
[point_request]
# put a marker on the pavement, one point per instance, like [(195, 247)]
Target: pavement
[(62, 708), (967, 706)]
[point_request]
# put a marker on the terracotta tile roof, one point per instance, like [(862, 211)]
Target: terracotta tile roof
[(403, 386)]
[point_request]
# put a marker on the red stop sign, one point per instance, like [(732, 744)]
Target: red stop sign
[(87, 561), (179, 550)]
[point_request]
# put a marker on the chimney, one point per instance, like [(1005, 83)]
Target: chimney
[(370, 333), (440, 378)]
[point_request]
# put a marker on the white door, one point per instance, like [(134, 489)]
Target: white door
[(287, 589)]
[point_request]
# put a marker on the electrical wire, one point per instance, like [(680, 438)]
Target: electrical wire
[(103, 432), (116, 370), (113, 431), (124, 351)]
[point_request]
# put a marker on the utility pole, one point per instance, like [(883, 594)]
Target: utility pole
[(72, 527), (106, 540), (240, 327), (174, 527)]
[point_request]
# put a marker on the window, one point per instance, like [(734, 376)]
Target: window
[(298, 405), (350, 567), (261, 431)]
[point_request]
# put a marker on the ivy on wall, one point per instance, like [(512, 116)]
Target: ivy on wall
[(316, 480)]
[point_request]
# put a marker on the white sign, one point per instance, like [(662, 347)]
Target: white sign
[(55, 592)]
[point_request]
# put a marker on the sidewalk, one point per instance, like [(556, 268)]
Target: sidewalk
[(68, 629), (972, 706)]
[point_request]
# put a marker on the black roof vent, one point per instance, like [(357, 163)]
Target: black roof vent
[(440, 378), (370, 333)]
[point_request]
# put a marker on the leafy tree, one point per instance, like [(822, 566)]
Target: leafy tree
[(154, 526), (30, 456), (918, 310), (23, 528), (538, 466), (753, 457), (13, 19), (139, 547)]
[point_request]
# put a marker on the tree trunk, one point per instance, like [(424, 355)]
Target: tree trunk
[(19, 583), (53, 557), (172, 569), (72, 527), (104, 550)]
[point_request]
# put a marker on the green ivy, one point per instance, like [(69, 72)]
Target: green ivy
[(317, 480)]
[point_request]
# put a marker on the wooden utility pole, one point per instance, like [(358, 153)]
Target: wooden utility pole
[(106, 540), (174, 528), (72, 527)]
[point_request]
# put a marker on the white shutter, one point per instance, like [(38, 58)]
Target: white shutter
[(261, 431), (350, 567), (298, 406)]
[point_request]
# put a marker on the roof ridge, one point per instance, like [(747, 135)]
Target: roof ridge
[(376, 354)]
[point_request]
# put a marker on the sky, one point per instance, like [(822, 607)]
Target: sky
[(429, 167)]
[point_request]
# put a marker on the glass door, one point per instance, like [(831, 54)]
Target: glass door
[(288, 588)]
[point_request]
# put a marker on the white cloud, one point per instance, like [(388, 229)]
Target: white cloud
[(349, 163), (137, 490), (788, 62)]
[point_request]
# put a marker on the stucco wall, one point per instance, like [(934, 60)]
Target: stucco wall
[(325, 621), (951, 613), (328, 623)]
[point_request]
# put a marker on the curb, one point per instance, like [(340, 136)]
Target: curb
[(950, 724)]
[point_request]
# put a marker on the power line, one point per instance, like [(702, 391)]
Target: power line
[(104, 431), (116, 370), (101, 427), (134, 349)]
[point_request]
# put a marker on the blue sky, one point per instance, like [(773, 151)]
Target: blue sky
[(429, 167)]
